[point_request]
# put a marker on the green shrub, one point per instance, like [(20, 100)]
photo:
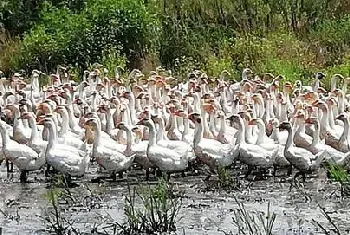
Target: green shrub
[(79, 39)]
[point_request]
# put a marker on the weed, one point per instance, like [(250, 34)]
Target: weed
[(340, 175), (251, 223), (158, 213), (223, 181), (334, 228)]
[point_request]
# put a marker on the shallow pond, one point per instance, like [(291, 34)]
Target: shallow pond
[(202, 212)]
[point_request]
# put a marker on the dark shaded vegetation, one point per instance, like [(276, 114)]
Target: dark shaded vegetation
[(290, 37)]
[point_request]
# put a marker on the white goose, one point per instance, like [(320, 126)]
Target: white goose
[(64, 158), (300, 158), (25, 158), (111, 160), (209, 151), (251, 154), (333, 156), (35, 142), (165, 160)]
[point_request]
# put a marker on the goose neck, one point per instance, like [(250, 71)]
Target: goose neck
[(4, 136), (160, 132), (222, 125), (316, 135), (241, 132), (34, 131), (261, 133), (152, 134), (289, 142), (198, 134), (128, 140), (52, 136), (65, 125)]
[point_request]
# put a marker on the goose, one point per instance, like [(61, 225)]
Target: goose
[(251, 154), (110, 160), (178, 146), (64, 135), (301, 159), (333, 156), (187, 135), (275, 149), (20, 133), (22, 156), (64, 158), (277, 136), (35, 142), (137, 148), (167, 161), (209, 151)]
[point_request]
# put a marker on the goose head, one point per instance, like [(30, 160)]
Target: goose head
[(268, 77), (220, 114), (288, 87), (28, 115), (338, 76), (285, 126), (79, 102), (122, 126), (247, 73), (47, 122), (299, 114), (195, 117), (337, 92), (137, 131), (312, 121), (60, 109), (255, 121), (245, 115), (342, 117), (320, 104), (91, 123), (320, 76), (145, 122), (209, 108), (181, 113)]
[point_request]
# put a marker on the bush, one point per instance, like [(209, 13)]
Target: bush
[(80, 39)]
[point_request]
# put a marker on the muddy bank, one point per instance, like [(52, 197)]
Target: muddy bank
[(203, 212)]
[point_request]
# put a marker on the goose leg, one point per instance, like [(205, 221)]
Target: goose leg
[(250, 169), (298, 174), (47, 170), (159, 173), (23, 176), (68, 179), (114, 176), (274, 171), (167, 177), (147, 174), (290, 170), (9, 166)]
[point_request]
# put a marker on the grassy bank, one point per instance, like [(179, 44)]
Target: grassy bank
[(292, 37)]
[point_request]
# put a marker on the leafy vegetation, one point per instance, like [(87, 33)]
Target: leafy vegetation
[(291, 37), (341, 176), (158, 213)]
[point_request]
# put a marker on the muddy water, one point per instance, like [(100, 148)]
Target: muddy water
[(23, 205)]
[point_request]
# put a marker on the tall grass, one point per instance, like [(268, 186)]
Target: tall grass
[(158, 212)]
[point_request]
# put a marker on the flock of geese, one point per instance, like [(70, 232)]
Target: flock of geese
[(166, 126)]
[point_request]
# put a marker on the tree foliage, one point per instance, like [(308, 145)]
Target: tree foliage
[(295, 37)]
